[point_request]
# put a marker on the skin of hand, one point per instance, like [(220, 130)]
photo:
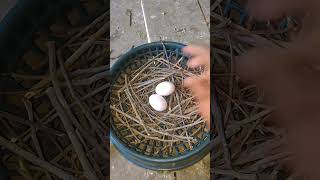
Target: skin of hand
[(290, 78), (200, 85)]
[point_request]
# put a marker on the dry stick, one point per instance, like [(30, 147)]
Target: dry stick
[(254, 104), (62, 153), (220, 122), (104, 101), (178, 62), (249, 133), (177, 106), (150, 83), (90, 80), (255, 117), (34, 137), (260, 163), (86, 29), (152, 129), (142, 69), (94, 70), (13, 92), (76, 55), (96, 91), (35, 160), (50, 116), (233, 101), (186, 126), (25, 173), (24, 170), (27, 77), (52, 65), (12, 117), (165, 51), (186, 129), (244, 31), (143, 109), (89, 155), (215, 5), (89, 173), (145, 136), (220, 129), (63, 116), (175, 96), (151, 117), (88, 114), (254, 111), (133, 106), (127, 124), (234, 174)]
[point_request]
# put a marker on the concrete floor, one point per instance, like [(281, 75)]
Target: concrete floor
[(173, 20)]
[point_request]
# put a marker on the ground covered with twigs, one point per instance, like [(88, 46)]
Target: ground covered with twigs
[(54, 123), (245, 147), (159, 134)]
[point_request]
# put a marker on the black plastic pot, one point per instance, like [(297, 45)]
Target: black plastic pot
[(133, 154)]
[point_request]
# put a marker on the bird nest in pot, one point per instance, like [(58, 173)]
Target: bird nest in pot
[(173, 131)]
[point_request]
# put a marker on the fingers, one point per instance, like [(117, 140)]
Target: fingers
[(200, 85), (200, 56), (194, 50), (200, 88), (197, 62)]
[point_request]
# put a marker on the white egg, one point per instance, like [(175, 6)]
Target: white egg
[(157, 102), (165, 88)]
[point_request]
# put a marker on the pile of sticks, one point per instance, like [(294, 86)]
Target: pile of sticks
[(62, 132), (245, 146), (176, 130)]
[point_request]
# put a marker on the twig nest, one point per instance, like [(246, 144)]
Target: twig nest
[(165, 88), (157, 102)]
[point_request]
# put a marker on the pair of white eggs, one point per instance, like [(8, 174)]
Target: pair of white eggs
[(157, 101)]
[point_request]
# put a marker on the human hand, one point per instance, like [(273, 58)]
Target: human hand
[(200, 85), (291, 80)]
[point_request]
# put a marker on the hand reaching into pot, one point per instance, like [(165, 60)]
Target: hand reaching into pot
[(290, 78), (200, 85)]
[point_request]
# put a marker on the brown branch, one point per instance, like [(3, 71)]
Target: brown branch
[(34, 137), (76, 55), (35, 160), (84, 109), (234, 174), (54, 95)]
